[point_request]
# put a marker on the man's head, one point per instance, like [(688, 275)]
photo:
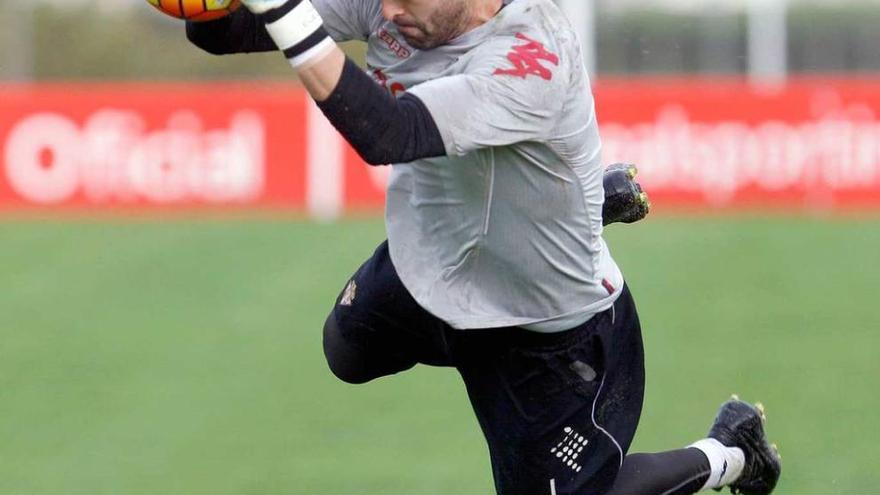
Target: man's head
[(427, 24)]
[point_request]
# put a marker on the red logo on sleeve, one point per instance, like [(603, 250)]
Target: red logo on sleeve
[(526, 60)]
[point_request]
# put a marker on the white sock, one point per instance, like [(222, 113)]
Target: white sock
[(726, 462)]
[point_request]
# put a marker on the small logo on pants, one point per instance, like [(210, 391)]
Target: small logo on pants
[(570, 448), (348, 294)]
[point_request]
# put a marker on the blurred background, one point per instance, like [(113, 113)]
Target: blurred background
[(175, 227), (82, 39)]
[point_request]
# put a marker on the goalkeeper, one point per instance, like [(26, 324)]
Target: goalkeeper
[(495, 262)]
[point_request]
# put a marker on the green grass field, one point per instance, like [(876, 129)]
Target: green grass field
[(185, 358)]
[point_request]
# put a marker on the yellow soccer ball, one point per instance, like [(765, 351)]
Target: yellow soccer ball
[(196, 10)]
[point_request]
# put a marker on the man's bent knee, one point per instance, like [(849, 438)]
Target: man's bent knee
[(345, 360), (359, 356)]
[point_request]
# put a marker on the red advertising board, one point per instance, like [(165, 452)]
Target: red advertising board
[(151, 145), (813, 143)]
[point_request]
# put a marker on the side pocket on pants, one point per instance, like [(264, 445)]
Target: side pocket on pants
[(550, 382)]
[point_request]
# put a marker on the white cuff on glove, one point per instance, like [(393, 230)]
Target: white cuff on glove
[(298, 30)]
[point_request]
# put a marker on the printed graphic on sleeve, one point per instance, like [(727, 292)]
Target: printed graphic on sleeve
[(526, 60)]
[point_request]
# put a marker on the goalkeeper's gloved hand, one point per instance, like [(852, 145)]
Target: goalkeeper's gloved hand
[(295, 26), (624, 199)]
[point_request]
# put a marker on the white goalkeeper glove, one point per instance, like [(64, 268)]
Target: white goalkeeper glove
[(295, 26)]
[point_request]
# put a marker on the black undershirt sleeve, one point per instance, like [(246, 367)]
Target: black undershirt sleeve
[(239, 32), (381, 128)]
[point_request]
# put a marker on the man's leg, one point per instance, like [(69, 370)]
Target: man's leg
[(736, 454), (377, 329), (558, 410), (677, 472)]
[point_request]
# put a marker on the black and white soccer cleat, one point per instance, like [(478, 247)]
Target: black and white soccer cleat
[(740, 424), (625, 202)]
